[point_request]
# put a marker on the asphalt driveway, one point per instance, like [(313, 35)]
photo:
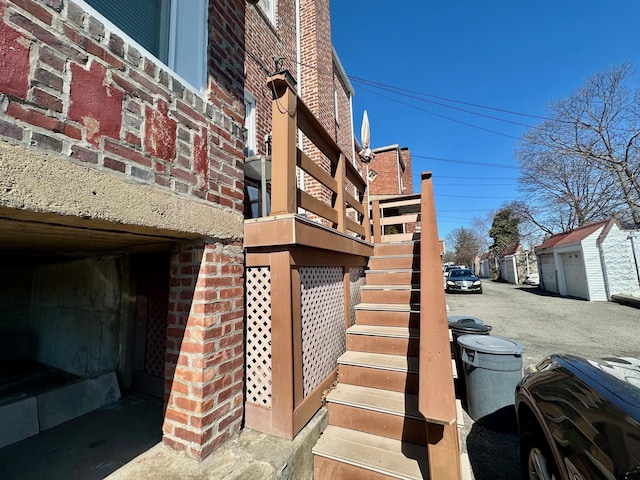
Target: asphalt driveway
[(544, 324)]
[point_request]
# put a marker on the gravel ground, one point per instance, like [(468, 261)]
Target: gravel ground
[(545, 325)]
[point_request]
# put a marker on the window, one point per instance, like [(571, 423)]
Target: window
[(173, 31), (269, 8), (249, 125)]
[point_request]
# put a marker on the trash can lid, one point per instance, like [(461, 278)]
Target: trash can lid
[(489, 344), (456, 320)]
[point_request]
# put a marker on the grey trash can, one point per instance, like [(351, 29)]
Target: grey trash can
[(492, 369), (465, 325)]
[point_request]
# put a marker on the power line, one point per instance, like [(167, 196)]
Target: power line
[(473, 196), (442, 116), (466, 162)]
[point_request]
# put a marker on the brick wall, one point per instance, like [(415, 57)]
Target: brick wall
[(265, 40), (75, 90), (205, 348), (78, 90), (385, 164), (407, 178)]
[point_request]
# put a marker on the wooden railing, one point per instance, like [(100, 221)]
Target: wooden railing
[(436, 394), (294, 261), (347, 210), (395, 218)]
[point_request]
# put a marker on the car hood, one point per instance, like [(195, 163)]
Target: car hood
[(465, 278)]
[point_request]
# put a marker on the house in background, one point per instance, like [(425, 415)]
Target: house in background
[(592, 262), (390, 171), (485, 268), (516, 264)]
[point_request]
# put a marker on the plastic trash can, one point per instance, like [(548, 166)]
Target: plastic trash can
[(465, 325), (492, 369)]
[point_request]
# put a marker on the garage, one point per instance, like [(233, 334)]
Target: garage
[(548, 269), (575, 276)]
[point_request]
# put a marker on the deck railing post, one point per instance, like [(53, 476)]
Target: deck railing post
[(283, 148), (375, 212)]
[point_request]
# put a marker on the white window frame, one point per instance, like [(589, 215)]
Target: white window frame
[(269, 9), (250, 140), (187, 52)]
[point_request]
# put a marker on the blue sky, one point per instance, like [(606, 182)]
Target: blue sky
[(511, 55)]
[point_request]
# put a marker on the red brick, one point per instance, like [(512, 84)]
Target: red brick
[(97, 50), (46, 100), (14, 58), (10, 130), (97, 106), (34, 9), (114, 164), (160, 132), (126, 152)]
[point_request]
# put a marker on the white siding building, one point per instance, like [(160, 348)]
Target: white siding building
[(591, 262)]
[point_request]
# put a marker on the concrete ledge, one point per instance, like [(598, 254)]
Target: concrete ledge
[(71, 401), (627, 300), (250, 455), (19, 420)]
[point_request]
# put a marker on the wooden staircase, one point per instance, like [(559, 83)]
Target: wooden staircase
[(375, 430)]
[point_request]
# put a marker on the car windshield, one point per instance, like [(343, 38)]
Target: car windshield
[(461, 273)]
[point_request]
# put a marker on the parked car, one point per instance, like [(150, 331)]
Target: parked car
[(448, 268), (532, 279), (580, 419), (463, 280)]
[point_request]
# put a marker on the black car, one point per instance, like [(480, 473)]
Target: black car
[(580, 419), (463, 280)]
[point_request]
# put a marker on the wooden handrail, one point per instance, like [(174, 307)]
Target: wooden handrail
[(408, 219), (289, 115), (436, 395)]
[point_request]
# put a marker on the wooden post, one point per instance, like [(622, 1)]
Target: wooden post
[(282, 370), (436, 395), (375, 211), (283, 146), (365, 221)]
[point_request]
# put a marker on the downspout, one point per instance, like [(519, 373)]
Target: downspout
[(301, 175), (515, 269)]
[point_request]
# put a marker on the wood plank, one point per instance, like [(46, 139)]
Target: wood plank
[(406, 218), (354, 203), (356, 228), (318, 207), (313, 401), (316, 133), (379, 454), (377, 229), (317, 172), (340, 204)]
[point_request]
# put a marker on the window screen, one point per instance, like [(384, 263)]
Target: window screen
[(146, 21)]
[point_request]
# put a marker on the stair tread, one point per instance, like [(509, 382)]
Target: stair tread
[(372, 452), (384, 331), (398, 255), (380, 361), (398, 307), (393, 403)]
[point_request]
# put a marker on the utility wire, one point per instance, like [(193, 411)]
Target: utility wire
[(480, 164)]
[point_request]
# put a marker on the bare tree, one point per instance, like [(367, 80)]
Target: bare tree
[(465, 245), (581, 164)]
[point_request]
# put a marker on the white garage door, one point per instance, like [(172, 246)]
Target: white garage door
[(574, 275), (548, 267)]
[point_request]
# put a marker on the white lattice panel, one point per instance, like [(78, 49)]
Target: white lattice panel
[(323, 332), (356, 281), (259, 335)]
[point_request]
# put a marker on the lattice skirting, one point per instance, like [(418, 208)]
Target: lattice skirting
[(356, 281), (323, 332), (258, 355)]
